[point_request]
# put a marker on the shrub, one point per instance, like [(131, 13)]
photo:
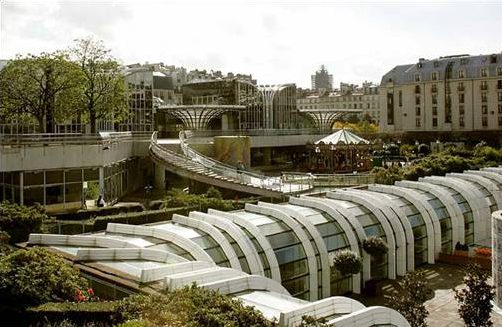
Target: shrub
[(72, 314), (375, 246), (177, 198), (190, 306), (214, 193), (474, 300), (19, 221), (409, 300), (347, 262), (37, 275)]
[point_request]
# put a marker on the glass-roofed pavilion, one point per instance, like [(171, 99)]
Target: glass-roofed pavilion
[(277, 257)]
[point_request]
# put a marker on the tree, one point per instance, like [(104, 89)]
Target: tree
[(37, 275), (19, 221), (44, 88), (474, 300), (189, 306), (104, 94), (409, 301)]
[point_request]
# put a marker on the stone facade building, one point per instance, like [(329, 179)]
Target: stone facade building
[(452, 93)]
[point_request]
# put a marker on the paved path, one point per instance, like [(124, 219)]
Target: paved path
[(442, 308)]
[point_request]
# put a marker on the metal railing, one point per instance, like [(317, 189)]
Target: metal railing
[(258, 132), (326, 180), (60, 138)]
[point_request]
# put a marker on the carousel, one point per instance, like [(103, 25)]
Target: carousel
[(340, 152)]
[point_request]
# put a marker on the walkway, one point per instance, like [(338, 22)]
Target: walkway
[(442, 278)]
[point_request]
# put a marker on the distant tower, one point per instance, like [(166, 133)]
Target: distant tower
[(322, 80)]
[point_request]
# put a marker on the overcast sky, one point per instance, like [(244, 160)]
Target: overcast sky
[(276, 41)]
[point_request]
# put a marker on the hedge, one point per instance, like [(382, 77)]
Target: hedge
[(137, 218), (99, 212), (101, 313)]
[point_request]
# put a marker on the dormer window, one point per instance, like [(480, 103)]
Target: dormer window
[(434, 76), (464, 61), (499, 71), (484, 72), (418, 77), (461, 73), (436, 64)]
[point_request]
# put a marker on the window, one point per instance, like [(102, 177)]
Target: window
[(461, 98), (434, 88), (484, 121), (464, 61), (434, 76), (461, 110), (499, 84), (499, 71), (484, 109), (434, 111), (436, 64), (418, 123), (434, 99), (417, 111), (484, 85), (500, 108), (418, 77), (484, 72), (434, 122), (400, 95), (461, 73), (484, 97), (417, 100), (461, 122), (500, 120), (417, 89), (461, 87), (499, 96)]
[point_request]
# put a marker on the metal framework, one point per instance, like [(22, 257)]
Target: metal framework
[(197, 117), (325, 118)]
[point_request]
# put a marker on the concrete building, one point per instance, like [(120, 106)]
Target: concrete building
[(459, 93), (322, 80), (365, 99)]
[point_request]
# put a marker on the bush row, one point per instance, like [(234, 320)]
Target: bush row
[(99, 212)]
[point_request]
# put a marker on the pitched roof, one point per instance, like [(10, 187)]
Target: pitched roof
[(343, 136)]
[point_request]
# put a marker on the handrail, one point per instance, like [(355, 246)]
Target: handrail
[(258, 132), (64, 138)]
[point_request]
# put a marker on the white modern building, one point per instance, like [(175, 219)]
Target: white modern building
[(277, 257)]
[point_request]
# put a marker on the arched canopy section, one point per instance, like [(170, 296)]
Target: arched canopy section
[(335, 305), (94, 254), (317, 240), (475, 199), (241, 240), (304, 240), (398, 247), (447, 208), (427, 213), (347, 225), (490, 185), (239, 284), (220, 239), (399, 222), (79, 240), (262, 242), (186, 244), (369, 317)]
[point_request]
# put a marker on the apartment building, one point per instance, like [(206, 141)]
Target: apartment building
[(452, 93)]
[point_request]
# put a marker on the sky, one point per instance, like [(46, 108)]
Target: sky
[(275, 41)]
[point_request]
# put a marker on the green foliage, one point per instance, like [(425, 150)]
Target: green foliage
[(410, 299), (36, 87), (177, 198), (19, 221), (99, 306), (408, 150), (450, 160), (375, 246), (103, 88), (387, 176), (347, 262), (214, 193), (309, 321), (37, 275), (190, 306), (474, 300)]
